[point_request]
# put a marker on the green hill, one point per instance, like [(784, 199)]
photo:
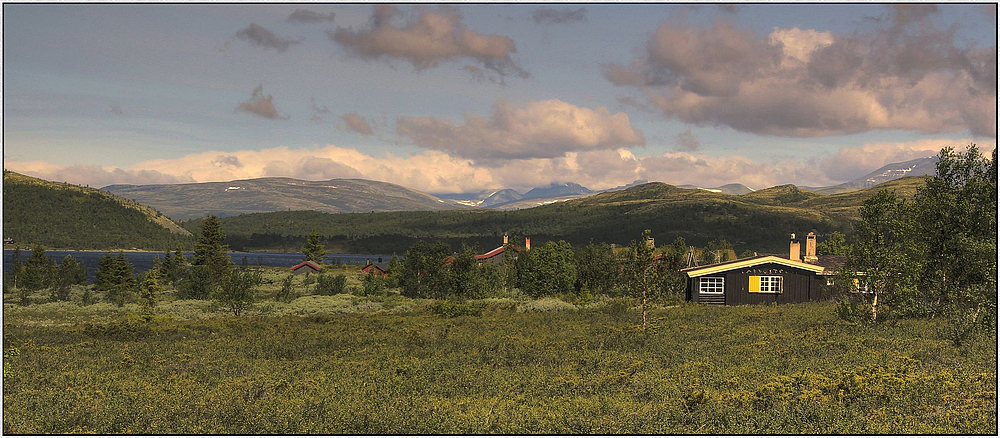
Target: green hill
[(760, 221), (61, 215)]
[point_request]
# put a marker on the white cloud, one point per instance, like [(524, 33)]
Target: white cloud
[(539, 129)]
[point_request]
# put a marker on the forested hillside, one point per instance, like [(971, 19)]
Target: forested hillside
[(760, 221), (60, 215)]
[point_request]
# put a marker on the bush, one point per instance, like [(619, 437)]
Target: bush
[(374, 284), (327, 284), (198, 284), (236, 290), (287, 292)]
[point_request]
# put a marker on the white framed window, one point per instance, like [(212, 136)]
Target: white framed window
[(712, 285), (770, 284)]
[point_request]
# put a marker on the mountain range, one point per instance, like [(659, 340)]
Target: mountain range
[(195, 200)]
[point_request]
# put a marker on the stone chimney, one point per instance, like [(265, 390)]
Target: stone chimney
[(527, 244), (810, 248), (793, 250), (504, 239)]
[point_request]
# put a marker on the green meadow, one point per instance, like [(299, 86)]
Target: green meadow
[(388, 364)]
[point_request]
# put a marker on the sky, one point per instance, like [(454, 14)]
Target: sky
[(477, 97)]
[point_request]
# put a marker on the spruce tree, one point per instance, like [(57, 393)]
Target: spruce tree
[(313, 251), (209, 250)]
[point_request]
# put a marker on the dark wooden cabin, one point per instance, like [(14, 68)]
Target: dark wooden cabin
[(756, 280)]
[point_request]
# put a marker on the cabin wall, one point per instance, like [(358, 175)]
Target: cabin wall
[(798, 286)]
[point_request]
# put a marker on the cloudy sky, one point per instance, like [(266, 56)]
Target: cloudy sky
[(465, 98)]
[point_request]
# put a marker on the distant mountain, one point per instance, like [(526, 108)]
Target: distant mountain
[(500, 197), (189, 201), (557, 189), (60, 215), (637, 182), (918, 167), (728, 189)]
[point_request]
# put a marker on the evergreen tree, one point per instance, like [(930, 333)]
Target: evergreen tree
[(209, 250), (39, 271), (313, 250), (151, 288)]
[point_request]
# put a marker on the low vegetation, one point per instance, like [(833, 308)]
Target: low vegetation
[(390, 364)]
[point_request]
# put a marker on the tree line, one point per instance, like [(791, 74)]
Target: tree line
[(932, 256)]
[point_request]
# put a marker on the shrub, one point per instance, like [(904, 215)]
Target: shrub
[(236, 290), (198, 284), (287, 292), (374, 284), (327, 284)]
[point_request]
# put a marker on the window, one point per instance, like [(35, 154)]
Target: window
[(712, 285), (765, 284), (770, 284)]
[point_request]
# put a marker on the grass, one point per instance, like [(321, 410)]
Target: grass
[(385, 365)]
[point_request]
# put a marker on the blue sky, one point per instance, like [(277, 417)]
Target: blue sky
[(477, 97)]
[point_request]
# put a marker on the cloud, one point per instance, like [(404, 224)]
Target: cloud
[(686, 141), (260, 105), (478, 75), (806, 83), (317, 111), (227, 160), (259, 36), (540, 129), (115, 109), (545, 15), (357, 124), (93, 175), (434, 37), (854, 162), (306, 16)]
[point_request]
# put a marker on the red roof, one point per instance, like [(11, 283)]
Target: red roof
[(491, 253), (306, 263)]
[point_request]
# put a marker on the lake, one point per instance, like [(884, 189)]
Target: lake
[(143, 261)]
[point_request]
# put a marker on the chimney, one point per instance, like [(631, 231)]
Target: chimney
[(504, 239), (793, 250), (527, 244), (380, 259), (810, 248)]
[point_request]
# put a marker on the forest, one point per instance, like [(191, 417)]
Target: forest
[(67, 216)]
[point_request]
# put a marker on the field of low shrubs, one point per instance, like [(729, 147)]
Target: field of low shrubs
[(353, 364)]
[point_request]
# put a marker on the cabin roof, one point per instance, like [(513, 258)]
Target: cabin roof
[(698, 271), (382, 266), (306, 263), (496, 251)]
